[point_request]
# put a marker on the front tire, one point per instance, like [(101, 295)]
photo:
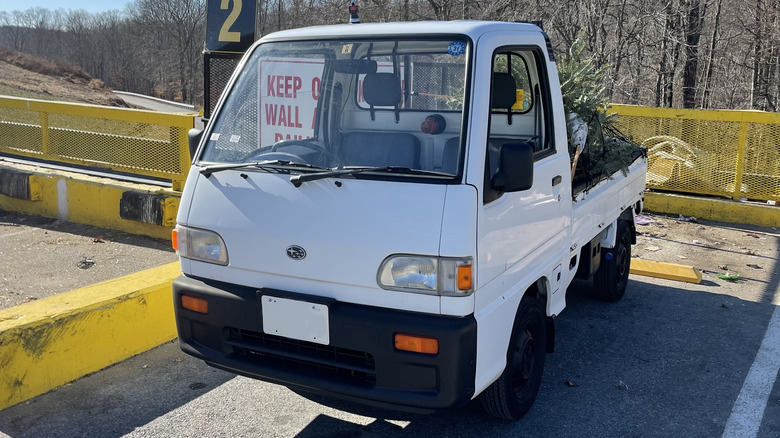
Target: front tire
[(512, 395), (611, 279)]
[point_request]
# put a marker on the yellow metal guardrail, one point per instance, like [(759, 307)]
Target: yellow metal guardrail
[(140, 142), (723, 153)]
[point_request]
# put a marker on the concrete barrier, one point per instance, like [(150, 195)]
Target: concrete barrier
[(132, 207), (713, 209), (47, 343)]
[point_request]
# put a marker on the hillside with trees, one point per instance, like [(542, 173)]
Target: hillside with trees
[(666, 53), (28, 76)]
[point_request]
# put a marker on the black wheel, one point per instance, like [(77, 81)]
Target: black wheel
[(610, 280), (512, 395)]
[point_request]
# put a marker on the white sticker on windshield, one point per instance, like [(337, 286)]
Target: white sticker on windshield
[(214, 136), (235, 138)]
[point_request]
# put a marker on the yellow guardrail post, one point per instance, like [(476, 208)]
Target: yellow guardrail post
[(741, 146), (184, 156), (45, 146)]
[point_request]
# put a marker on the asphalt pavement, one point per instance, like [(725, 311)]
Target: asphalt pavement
[(670, 359), (154, 104)]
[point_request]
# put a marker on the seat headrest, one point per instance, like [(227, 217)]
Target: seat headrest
[(504, 94), (382, 89)]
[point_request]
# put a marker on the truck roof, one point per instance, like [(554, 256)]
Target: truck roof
[(471, 28)]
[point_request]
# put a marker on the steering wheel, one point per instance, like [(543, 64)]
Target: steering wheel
[(272, 155), (326, 154), (295, 142)]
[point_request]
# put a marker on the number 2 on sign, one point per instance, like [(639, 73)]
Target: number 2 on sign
[(225, 34)]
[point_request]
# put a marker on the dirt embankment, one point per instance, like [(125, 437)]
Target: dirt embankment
[(27, 76)]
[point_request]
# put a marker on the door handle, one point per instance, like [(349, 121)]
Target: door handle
[(556, 180)]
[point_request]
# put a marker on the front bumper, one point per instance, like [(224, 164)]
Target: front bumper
[(359, 364)]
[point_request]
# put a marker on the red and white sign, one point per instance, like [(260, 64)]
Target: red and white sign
[(289, 89)]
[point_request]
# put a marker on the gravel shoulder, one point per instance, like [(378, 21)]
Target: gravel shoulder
[(716, 248), (40, 257)]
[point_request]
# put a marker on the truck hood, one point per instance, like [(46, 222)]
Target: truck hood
[(346, 227)]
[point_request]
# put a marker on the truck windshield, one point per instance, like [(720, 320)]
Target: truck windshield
[(342, 103)]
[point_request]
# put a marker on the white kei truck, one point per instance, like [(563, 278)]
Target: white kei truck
[(386, 213)]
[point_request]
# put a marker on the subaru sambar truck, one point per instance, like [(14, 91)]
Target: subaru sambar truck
[(386, 213)]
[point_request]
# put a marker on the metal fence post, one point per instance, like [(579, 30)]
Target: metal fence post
[(45, 146), (182, 140), (741, 147)]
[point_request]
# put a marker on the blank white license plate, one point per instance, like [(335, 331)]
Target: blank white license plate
[(295, 319)]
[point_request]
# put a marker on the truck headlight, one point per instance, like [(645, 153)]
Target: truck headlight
[(197, 244), (428, 275)]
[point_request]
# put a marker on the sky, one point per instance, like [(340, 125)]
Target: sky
[(91, 6)]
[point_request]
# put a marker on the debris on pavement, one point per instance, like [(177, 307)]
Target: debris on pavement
[(86, 263), (729, 277), (644, 220), (688, 219)]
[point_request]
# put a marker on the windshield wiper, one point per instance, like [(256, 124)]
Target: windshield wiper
[(297, 180), (268, 164)]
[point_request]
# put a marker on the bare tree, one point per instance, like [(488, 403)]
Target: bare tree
[(695, 12), (17, 25), (180, 22)]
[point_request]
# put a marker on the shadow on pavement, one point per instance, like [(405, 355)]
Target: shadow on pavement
[(665, 361), (116, 400)]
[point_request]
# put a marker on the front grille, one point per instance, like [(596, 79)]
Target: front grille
[(347, 366)]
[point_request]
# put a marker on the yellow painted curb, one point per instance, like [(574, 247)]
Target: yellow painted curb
[(669, 271), (713, 209), (49, 342)]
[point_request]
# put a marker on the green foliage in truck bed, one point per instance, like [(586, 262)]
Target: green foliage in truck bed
[(606, 149)]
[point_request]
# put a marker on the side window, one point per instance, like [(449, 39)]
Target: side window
[(517, 107), (512, 64)]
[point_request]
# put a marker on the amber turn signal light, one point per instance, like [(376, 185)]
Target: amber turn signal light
[(464, 277), (417, 344), (195, 304), (175, 240)]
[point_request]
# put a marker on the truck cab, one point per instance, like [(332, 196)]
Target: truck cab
[(384, 213)]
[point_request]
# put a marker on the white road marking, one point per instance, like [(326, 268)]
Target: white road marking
[(748, 411)]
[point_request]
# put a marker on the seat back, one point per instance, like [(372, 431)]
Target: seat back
[(449, 162), (381, 149), (503, 95), (382, 89)]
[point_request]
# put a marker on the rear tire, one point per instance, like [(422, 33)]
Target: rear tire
[(611, 279), (512, 395)]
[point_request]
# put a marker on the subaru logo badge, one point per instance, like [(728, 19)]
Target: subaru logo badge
[(295, 252)]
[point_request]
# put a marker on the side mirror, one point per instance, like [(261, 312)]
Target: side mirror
[(515, 168), (193, 137)]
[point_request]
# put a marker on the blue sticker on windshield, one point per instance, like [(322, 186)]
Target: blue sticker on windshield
[(457, 48)]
